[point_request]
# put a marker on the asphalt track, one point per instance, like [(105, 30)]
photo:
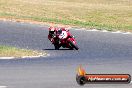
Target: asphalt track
[(99, 53)]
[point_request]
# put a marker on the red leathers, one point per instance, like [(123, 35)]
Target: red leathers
[(61, 37)]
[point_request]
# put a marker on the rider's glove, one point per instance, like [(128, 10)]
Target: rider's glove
[(52, 40), (53, 35)]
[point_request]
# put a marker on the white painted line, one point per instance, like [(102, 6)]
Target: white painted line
[(127, 33), (93, 30), (83, 28), (4, 20), (117, 32), (104, 31), (42, 55), (88, 30), (48, 54), (33, 56), (30, 57), (3, 86), (78, 29), (7, 58)]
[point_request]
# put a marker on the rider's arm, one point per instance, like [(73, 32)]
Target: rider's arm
[(51, 38)]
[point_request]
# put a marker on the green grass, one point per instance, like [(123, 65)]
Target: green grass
[(101, 14), (7, 51)]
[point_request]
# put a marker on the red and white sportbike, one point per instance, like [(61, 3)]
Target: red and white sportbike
[(66, 40)]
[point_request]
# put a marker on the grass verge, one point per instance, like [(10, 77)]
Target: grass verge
[(7, 51), (111, 15)]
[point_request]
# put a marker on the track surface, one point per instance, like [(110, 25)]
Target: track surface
[(99, 53)]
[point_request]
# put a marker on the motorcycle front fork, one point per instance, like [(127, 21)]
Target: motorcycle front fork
[(57, 45)]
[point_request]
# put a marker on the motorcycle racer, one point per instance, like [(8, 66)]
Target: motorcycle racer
[(61, 37), (53, 31)]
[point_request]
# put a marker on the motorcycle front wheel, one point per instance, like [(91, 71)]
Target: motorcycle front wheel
[(56, 47), (73, 45), (56, 44)]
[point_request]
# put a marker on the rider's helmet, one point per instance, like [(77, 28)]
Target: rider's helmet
[(51, 30)]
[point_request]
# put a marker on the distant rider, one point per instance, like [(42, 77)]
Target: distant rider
[(53, 33)]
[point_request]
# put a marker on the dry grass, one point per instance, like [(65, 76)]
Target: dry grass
[(109, 14), (6, 51)]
